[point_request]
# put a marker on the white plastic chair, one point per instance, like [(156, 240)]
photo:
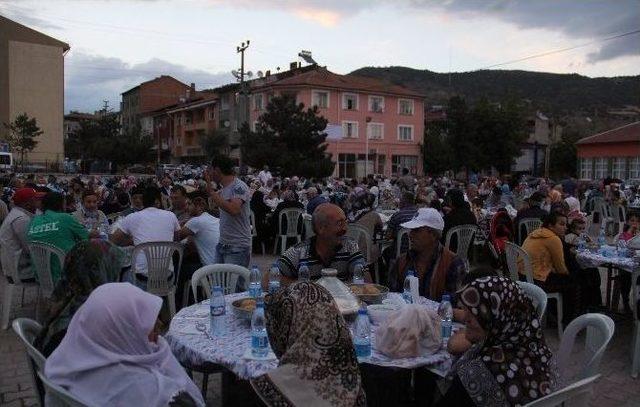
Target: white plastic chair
[(292, 216), (365, 243), (513, 254), (254, 231), (27, 330), (159, 257), (619, 213), (403, 233), (464, 236), (529, 224), (58, 396), (575, 395), (224, 275), (308, 226), (600, 329), (537, 295), (41, 254), (559, 315), (12, 282)]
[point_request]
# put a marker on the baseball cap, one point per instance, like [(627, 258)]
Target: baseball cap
[(425, 217), (22, 195)]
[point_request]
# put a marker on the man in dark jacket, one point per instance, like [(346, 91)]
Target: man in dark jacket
[(533, 211), (457, 213)]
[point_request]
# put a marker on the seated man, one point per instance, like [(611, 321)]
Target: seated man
[(438, 269), (534, 210), (329, 248), (178, 198), (136, 202), (314, 200)]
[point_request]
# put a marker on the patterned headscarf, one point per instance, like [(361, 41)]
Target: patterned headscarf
[(513, 365), (318, 365)]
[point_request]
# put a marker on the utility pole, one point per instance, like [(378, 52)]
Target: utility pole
[(243, 108), (105, 107)]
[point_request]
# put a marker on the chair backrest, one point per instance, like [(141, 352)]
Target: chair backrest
[(537, 295), (57, 396), (606, 209), (292, 217), (620, 213), (575, 395), (112, 217), (600, 329), (27, 330), (252, 220), (464, 236), (9, 260), (403, 235), (516, 255), (41, 256), (224, 275), (365, 241), (159, 257), (308, 226), (526, 226)]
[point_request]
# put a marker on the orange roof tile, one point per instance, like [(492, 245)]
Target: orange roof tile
[(626, 133)]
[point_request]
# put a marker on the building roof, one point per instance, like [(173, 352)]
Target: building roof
[(15, 31), (323, 78), (155, 79), (624, 134), (73, 115)]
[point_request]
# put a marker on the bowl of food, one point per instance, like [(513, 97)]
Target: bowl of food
[(243, 308), (369, 293), (378, 313)]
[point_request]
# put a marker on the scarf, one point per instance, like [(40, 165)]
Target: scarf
[(513, 365), (318, 365)]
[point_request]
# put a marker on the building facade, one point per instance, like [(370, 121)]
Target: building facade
[(534, 158), (32, 82), (190, 123), (614, 153)]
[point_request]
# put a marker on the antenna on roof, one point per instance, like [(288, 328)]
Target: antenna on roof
[(306, 56), (249, 74), (259, 74)]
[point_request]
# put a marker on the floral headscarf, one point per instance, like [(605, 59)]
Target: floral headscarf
[(318, 365), (513, 365)]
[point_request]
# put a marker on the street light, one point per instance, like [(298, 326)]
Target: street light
[(366, 153)]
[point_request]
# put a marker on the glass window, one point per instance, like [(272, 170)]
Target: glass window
[(375, 131), (320, 99), (634, 168), (350, 129), (349, 101), (257, 102), (398, 162), (586, 167), (601, 168), (405, 107), (618, 170), (224, 102), (376, 104), (346, 165), (405, 133)]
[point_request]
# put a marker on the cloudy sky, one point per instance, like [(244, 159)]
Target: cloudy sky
[(116, 44)]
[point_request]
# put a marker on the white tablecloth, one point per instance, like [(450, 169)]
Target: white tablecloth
[(194, 348), (588, 259)]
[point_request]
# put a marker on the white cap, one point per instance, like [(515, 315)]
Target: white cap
[(425, 217)]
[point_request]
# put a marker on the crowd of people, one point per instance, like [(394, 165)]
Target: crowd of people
[(214, 214)]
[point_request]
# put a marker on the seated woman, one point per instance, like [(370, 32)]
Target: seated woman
[(318, 364), (112, 354), (509, 362)]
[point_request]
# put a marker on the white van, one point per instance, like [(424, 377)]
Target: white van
[(6, 161)]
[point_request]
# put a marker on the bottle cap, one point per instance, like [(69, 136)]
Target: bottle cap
[(446, 297)]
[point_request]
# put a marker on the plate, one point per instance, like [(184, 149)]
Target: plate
[(243, 307), (369, 293)]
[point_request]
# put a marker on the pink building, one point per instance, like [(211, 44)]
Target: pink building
[(374, 127)]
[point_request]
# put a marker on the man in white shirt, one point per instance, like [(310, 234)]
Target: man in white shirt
[(203, 228), (148, 225), (265, 175)]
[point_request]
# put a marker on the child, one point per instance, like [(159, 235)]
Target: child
[(577, 228)]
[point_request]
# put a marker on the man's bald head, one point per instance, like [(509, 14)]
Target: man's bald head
[(326, 216)]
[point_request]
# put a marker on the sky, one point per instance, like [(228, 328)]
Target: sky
[(116, 44)]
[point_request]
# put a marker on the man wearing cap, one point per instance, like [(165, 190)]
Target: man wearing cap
[(13, 232), (533, 211), (438, 269)]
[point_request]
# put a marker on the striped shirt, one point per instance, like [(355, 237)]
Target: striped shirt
[(345, 259)]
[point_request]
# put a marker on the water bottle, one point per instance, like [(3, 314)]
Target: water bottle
[(259, 339), (406, 294), (362, 334), (254, 282), (602, 239), (622, 248), (582, 242), (303, 272), (358, 274), (217, 311), (445, 311), (274, 278)]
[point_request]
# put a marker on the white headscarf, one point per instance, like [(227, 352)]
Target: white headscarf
[(106, 357)]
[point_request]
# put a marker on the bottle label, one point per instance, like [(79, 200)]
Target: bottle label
[(217, 311), (259, 341), (446, 329)]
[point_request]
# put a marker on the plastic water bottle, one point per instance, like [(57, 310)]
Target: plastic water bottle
[(217, 311), (622, 248), (259, 339), (274, 278), (303, 272), (602, 239), (582, 242), (362, 334), (406, 294), (445, 311), (358, 274), (254, 282)]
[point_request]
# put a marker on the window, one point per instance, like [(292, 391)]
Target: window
[(634, 168), (346, 165), (349, 129), (398, 162), (350, 101), (211, 114), (618, 170), (257, 102), (586, 166), (405, 107), (320, 99), (405, 133), (376, 104), (601, 168), (224, 102), (375, 131)]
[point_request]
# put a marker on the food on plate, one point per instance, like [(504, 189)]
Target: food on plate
[(365, 289), (247, 304)]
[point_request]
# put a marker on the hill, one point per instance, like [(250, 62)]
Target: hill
[(558, 94)]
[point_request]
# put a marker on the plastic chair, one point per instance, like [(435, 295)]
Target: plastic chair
[(365, 243), (9, 263), (464, 236), (403, 233), (292, 217), (558, 298), (513, 254), (254, 231), (58, 396), (600, 329), (112, 217), (224, 275), (529, 225), (159, 257), (27, 330), (537, 295), (575, 395), (308, 226), (620, 213), (41, 254)]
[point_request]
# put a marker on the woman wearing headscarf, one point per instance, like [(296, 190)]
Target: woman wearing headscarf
[(111, 355), (509, 363), (507, 197), (318, 364), (457, 212)]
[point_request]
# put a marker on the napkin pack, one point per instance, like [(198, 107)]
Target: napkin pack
[(409, 332)]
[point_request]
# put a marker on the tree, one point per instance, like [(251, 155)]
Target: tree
[(436, 149), (563, 160), (22, 134), (215, 144), (289, 139)]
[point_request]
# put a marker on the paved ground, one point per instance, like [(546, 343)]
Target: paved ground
[(615, 387)]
